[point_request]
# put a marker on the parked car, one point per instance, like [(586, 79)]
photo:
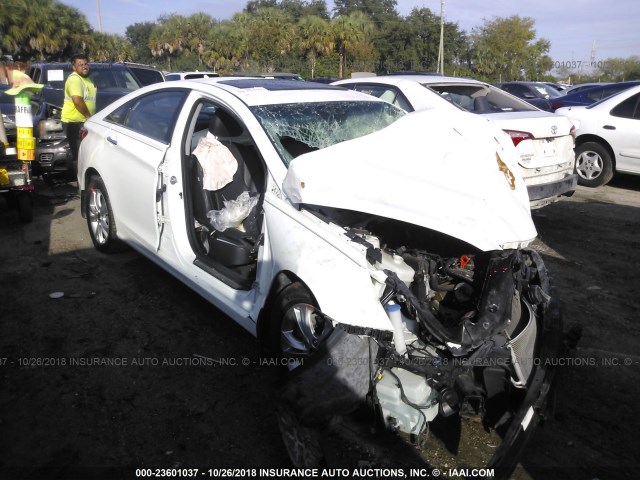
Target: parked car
[(170, 77), (146, 74), (560, 88), (538, 94), (583, 86), (7, 102), (544, 142), (113, 80), (608, 139), (590, 95), (345, 236)]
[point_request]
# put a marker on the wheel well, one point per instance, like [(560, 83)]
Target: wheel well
[(280, 282), (599, 140), (90, 173), (87, 175)]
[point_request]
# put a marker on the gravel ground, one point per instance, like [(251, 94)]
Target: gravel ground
[(187, 387)]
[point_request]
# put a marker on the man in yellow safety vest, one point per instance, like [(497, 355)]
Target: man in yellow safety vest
[(79, 103)]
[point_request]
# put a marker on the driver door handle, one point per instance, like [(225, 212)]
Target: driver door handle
[(113, 141)]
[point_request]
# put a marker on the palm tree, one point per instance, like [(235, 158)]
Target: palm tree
[(223, 47), (108, 47), (42, 29), (199, 26), (316, 38), (270, 35), (10, 19), (242, 23), (350, 32), (169, 37)]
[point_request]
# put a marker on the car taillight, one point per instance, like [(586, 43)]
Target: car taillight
[(83, 133), (517, 137), (555, 104)]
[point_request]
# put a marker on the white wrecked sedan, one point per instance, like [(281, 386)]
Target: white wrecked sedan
[(388, 259)]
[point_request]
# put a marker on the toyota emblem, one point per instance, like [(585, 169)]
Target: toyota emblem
[(554, 130)]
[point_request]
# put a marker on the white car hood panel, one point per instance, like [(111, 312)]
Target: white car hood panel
[(438, 169)]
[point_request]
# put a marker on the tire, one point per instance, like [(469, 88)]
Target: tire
[(296, 327), (594, 164), (25, 208), (100, 219)]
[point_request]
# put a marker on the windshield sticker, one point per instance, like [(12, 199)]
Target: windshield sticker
[(55, 75)]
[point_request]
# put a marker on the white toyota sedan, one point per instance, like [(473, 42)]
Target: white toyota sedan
[(344, 235), (608, 137), (543, 140)]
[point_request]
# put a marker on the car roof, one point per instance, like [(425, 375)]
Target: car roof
[(139, 65), (205, 72), (601, 86), (414, 78), (522, 82), (92, 64), (263, 91), (280, 75), (587, 85), (193, 74)]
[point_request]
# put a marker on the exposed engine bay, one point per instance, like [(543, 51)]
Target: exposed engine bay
[(465, 322)]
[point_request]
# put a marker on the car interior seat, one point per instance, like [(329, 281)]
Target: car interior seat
[(233, 246), (481, 104), (388, 96)]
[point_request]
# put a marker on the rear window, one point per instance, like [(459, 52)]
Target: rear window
[(479, 98), (630, 108), (147, 76), (105, 77)]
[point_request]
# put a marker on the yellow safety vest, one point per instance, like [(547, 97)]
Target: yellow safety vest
[(87, 90)]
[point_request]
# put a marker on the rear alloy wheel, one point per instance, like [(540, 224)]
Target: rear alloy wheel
[(594, 165), (298, 327), (100, 220)]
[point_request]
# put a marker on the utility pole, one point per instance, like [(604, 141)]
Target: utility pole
[(99, 16), (440, 68)]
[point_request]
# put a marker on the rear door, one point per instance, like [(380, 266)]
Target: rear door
[(623, 132)]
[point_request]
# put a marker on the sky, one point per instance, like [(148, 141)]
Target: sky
[(574, 27)]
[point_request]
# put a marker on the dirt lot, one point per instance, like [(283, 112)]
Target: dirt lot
[(159, 408)]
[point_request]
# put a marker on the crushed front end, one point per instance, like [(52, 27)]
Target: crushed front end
[(470, 316), (471, 334)]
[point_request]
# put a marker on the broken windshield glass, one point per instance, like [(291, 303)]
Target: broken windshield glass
[(300, 128)]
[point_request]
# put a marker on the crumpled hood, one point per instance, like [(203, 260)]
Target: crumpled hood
[(446, 170)]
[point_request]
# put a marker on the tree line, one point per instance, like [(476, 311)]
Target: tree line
[(300, 36)]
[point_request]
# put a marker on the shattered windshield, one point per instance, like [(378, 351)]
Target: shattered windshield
[(299, 128)]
